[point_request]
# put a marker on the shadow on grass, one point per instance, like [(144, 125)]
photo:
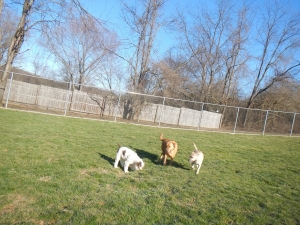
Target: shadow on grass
[(108, 159), (178, 165), (143, 154), (155, 159)]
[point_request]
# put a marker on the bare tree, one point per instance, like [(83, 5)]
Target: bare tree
[(278, 39), (18, 38), (34, 12), (206, 43), (277, 44), (1, 30), (7, 27), (235, 56), (144, 25), (80, 44), (211, 55), (41, 68), (173, 78), (281, 96), (110, 72), (143, 20)]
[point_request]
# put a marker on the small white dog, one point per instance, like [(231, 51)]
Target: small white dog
[(128, 158), (196, 158)]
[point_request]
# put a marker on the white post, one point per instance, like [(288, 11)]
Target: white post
[(199, 123), (236, 118), (293, 125), (118, 105), (67, 99), (162, 111), (265, 122), (8, 93)]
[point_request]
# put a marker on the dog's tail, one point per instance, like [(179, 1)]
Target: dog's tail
[(161, 137), (119, 146), (195, 146)]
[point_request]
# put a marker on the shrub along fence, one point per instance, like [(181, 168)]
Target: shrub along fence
[(35, 93)]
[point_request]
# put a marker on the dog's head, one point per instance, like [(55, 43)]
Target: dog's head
[(140, 165), (170, 145), (194, 155)]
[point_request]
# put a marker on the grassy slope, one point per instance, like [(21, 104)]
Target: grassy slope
[(59, 170)]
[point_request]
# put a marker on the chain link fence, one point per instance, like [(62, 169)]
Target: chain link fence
[(44, 95)]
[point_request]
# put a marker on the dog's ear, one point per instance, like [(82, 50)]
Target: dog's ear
[(139, 164), (174, 143), (161, 137), (124, 152), (119, 145)]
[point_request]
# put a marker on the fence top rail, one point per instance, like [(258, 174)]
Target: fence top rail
[(35, 76), (212, 104), (155, 96)]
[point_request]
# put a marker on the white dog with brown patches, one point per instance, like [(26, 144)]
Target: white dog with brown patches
[(196, 158), (128, 159)]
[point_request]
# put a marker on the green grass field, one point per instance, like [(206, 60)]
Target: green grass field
[(59, 170)]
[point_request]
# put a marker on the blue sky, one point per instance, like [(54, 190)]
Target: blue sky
[(110, 12)]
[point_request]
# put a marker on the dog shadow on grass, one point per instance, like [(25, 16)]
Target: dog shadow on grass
[(155, 158), (108, 159), (143, 154)]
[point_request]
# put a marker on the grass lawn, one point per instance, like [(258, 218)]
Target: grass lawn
[(59, 170)]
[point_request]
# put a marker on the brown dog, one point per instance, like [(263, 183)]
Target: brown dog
[(168, 148)]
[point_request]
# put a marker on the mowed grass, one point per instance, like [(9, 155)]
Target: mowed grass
[(59, 170)]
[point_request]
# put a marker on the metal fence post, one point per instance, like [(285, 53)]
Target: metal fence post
[(118, 105), (162, 112), (293, 124), (200, 118), (8, 93), (67, 99), (236, 119), (265, 122)]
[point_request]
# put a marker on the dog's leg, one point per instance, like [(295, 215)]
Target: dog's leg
[(133, 166), (122, 162), (171, 161), (161, 156), (117, 161), (198, 168), (126, 167), (200, 163), (165, 159)]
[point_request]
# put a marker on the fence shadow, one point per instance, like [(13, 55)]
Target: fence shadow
[(108, 159)]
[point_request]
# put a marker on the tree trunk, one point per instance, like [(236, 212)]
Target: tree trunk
[(2, 84), (16, 43), (18, 38)]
